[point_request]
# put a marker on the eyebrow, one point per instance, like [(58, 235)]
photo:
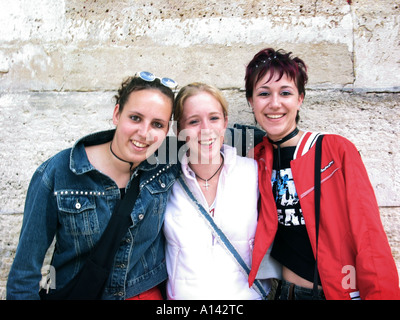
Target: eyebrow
[(142, 116), (160, 120), (209, 114)]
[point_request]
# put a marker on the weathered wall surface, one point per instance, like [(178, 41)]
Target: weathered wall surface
[(62, 60)]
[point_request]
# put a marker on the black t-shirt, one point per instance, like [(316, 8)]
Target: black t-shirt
[(292, 247), (123, 192)]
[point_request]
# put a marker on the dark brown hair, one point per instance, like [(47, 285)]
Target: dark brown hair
[(269, 60), (136, 84)]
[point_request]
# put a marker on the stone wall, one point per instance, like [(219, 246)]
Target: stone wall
[(62, 60)]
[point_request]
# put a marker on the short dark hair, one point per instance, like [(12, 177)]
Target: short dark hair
[(276, 61), (132, 84)]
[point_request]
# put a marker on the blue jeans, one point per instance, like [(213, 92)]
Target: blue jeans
[(290, 291)]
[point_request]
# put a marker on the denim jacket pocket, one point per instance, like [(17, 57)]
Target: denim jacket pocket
[(159, 184), (78, 213), (158, 188)]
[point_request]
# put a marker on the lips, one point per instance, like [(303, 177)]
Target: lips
[(207, 142), (275, 116), (139, 144)]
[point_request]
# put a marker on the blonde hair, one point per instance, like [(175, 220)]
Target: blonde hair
[(193, 89)]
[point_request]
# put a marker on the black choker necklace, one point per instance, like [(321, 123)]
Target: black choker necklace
[(131, 163), (286, 138)]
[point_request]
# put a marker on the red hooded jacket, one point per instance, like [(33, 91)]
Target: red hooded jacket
[(353, 250)]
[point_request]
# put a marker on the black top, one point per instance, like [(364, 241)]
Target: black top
[(122, 191), (292, 247)]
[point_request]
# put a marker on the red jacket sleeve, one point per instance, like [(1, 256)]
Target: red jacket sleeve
[(376, 272)]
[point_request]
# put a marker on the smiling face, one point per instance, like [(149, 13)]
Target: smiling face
[(142, 124), (275, 104), (203, 126)]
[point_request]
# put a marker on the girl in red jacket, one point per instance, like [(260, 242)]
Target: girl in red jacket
[(354, 258)]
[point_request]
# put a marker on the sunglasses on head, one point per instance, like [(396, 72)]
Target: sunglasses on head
[(167, 82)]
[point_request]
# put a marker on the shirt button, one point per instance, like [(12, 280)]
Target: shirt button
[(141, 216), (78, 205)]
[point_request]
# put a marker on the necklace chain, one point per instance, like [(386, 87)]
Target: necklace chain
[(206, 184)]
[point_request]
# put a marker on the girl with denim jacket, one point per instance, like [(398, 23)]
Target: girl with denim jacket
[(73, 194)]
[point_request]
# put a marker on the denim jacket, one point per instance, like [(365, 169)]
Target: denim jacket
[(70, 199)]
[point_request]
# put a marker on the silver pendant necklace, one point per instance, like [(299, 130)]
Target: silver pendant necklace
[(206, 184)]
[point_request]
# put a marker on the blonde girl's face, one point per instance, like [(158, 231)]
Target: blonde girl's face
[(203, 126), (142, 125)]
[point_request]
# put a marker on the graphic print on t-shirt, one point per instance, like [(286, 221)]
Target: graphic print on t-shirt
[(287, 201)]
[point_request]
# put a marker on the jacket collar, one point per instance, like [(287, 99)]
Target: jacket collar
[(305, 143)]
